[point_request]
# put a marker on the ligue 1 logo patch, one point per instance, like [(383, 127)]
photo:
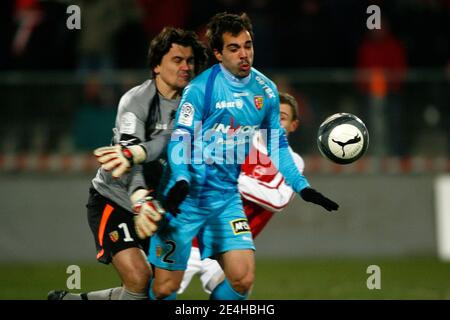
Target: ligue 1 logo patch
[(259, 102), (186, 114)]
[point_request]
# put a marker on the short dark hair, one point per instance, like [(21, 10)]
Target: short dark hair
[(162, 43), (226, 22), (286, 98)]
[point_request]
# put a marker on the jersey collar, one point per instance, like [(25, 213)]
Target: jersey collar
[(233, 79)]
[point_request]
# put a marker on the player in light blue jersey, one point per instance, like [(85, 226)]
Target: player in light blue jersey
[(218, 114)]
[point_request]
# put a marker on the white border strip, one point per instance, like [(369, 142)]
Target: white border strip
[(442, 201)]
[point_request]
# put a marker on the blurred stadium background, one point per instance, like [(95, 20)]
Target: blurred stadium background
[(59, 91)]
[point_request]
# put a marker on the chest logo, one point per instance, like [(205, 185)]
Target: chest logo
[(259, 102)]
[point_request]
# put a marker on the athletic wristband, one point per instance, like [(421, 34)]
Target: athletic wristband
[(128, 155)]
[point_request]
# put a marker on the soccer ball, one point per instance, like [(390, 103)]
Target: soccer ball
[(343, 138)]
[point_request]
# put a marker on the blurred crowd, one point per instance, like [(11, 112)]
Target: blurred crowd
[(290, 35)]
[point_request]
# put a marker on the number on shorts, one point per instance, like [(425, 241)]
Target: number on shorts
[(173, 246), (128, 237)]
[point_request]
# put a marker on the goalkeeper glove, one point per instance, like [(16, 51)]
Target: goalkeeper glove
[(311, 195), (148, 212), (119, 158), (176, 196)]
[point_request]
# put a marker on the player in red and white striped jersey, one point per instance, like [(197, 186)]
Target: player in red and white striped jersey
[(263, 191)]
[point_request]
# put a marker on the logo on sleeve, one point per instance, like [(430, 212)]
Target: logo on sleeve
[(259, 102), (128, 123), (240, 226), (186, 114)]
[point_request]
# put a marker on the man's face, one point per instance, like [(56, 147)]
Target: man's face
[(237, 53), (177, 67), (287, 118)]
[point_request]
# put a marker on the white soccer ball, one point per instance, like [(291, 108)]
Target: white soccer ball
[(343, 138)]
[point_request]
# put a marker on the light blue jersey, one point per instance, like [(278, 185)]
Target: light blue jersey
[(220, 113), (215, 123)]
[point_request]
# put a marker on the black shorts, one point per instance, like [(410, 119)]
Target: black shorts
[(112, 227)]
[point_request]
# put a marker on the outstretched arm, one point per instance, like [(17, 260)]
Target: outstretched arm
[(277, 147)]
